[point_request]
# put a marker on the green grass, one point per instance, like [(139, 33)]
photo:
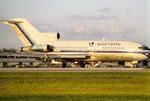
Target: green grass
[(47, 86), (75, 98)]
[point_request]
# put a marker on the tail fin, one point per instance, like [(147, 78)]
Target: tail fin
[(26, 32)]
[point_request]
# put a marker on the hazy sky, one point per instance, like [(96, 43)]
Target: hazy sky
[(79, 19)]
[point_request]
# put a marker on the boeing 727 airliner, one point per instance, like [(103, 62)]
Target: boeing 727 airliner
[(80, 51)]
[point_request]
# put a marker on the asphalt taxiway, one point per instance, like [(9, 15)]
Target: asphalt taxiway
[(74, 70)]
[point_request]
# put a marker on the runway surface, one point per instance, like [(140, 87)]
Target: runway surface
[(74, 70)]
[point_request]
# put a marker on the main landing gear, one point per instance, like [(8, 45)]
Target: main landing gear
[(82, 64)]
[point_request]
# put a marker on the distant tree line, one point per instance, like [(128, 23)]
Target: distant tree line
[(8, 50)]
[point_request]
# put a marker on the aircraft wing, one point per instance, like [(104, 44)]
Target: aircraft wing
[(69, 56)]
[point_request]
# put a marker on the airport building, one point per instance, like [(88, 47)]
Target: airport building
[(19, 60)]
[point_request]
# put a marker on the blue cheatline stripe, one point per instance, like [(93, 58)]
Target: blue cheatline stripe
[(105, 51), (27, 37)]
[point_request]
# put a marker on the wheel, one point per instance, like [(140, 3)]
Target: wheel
[(135, 65), (82, 64), (64, 64)]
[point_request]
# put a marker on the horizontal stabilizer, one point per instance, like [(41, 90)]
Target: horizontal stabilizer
[(11, 21)]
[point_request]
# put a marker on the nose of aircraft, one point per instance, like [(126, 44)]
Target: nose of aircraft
[(149, 54)]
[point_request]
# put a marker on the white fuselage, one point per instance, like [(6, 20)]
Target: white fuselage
[(102, 50)]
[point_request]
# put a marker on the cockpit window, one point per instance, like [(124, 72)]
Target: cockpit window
[(144, 47)]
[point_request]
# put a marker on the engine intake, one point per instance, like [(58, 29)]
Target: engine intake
[(58, 36)]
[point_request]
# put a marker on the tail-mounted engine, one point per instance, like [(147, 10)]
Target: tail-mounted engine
[(50, 36), (38, 48)]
